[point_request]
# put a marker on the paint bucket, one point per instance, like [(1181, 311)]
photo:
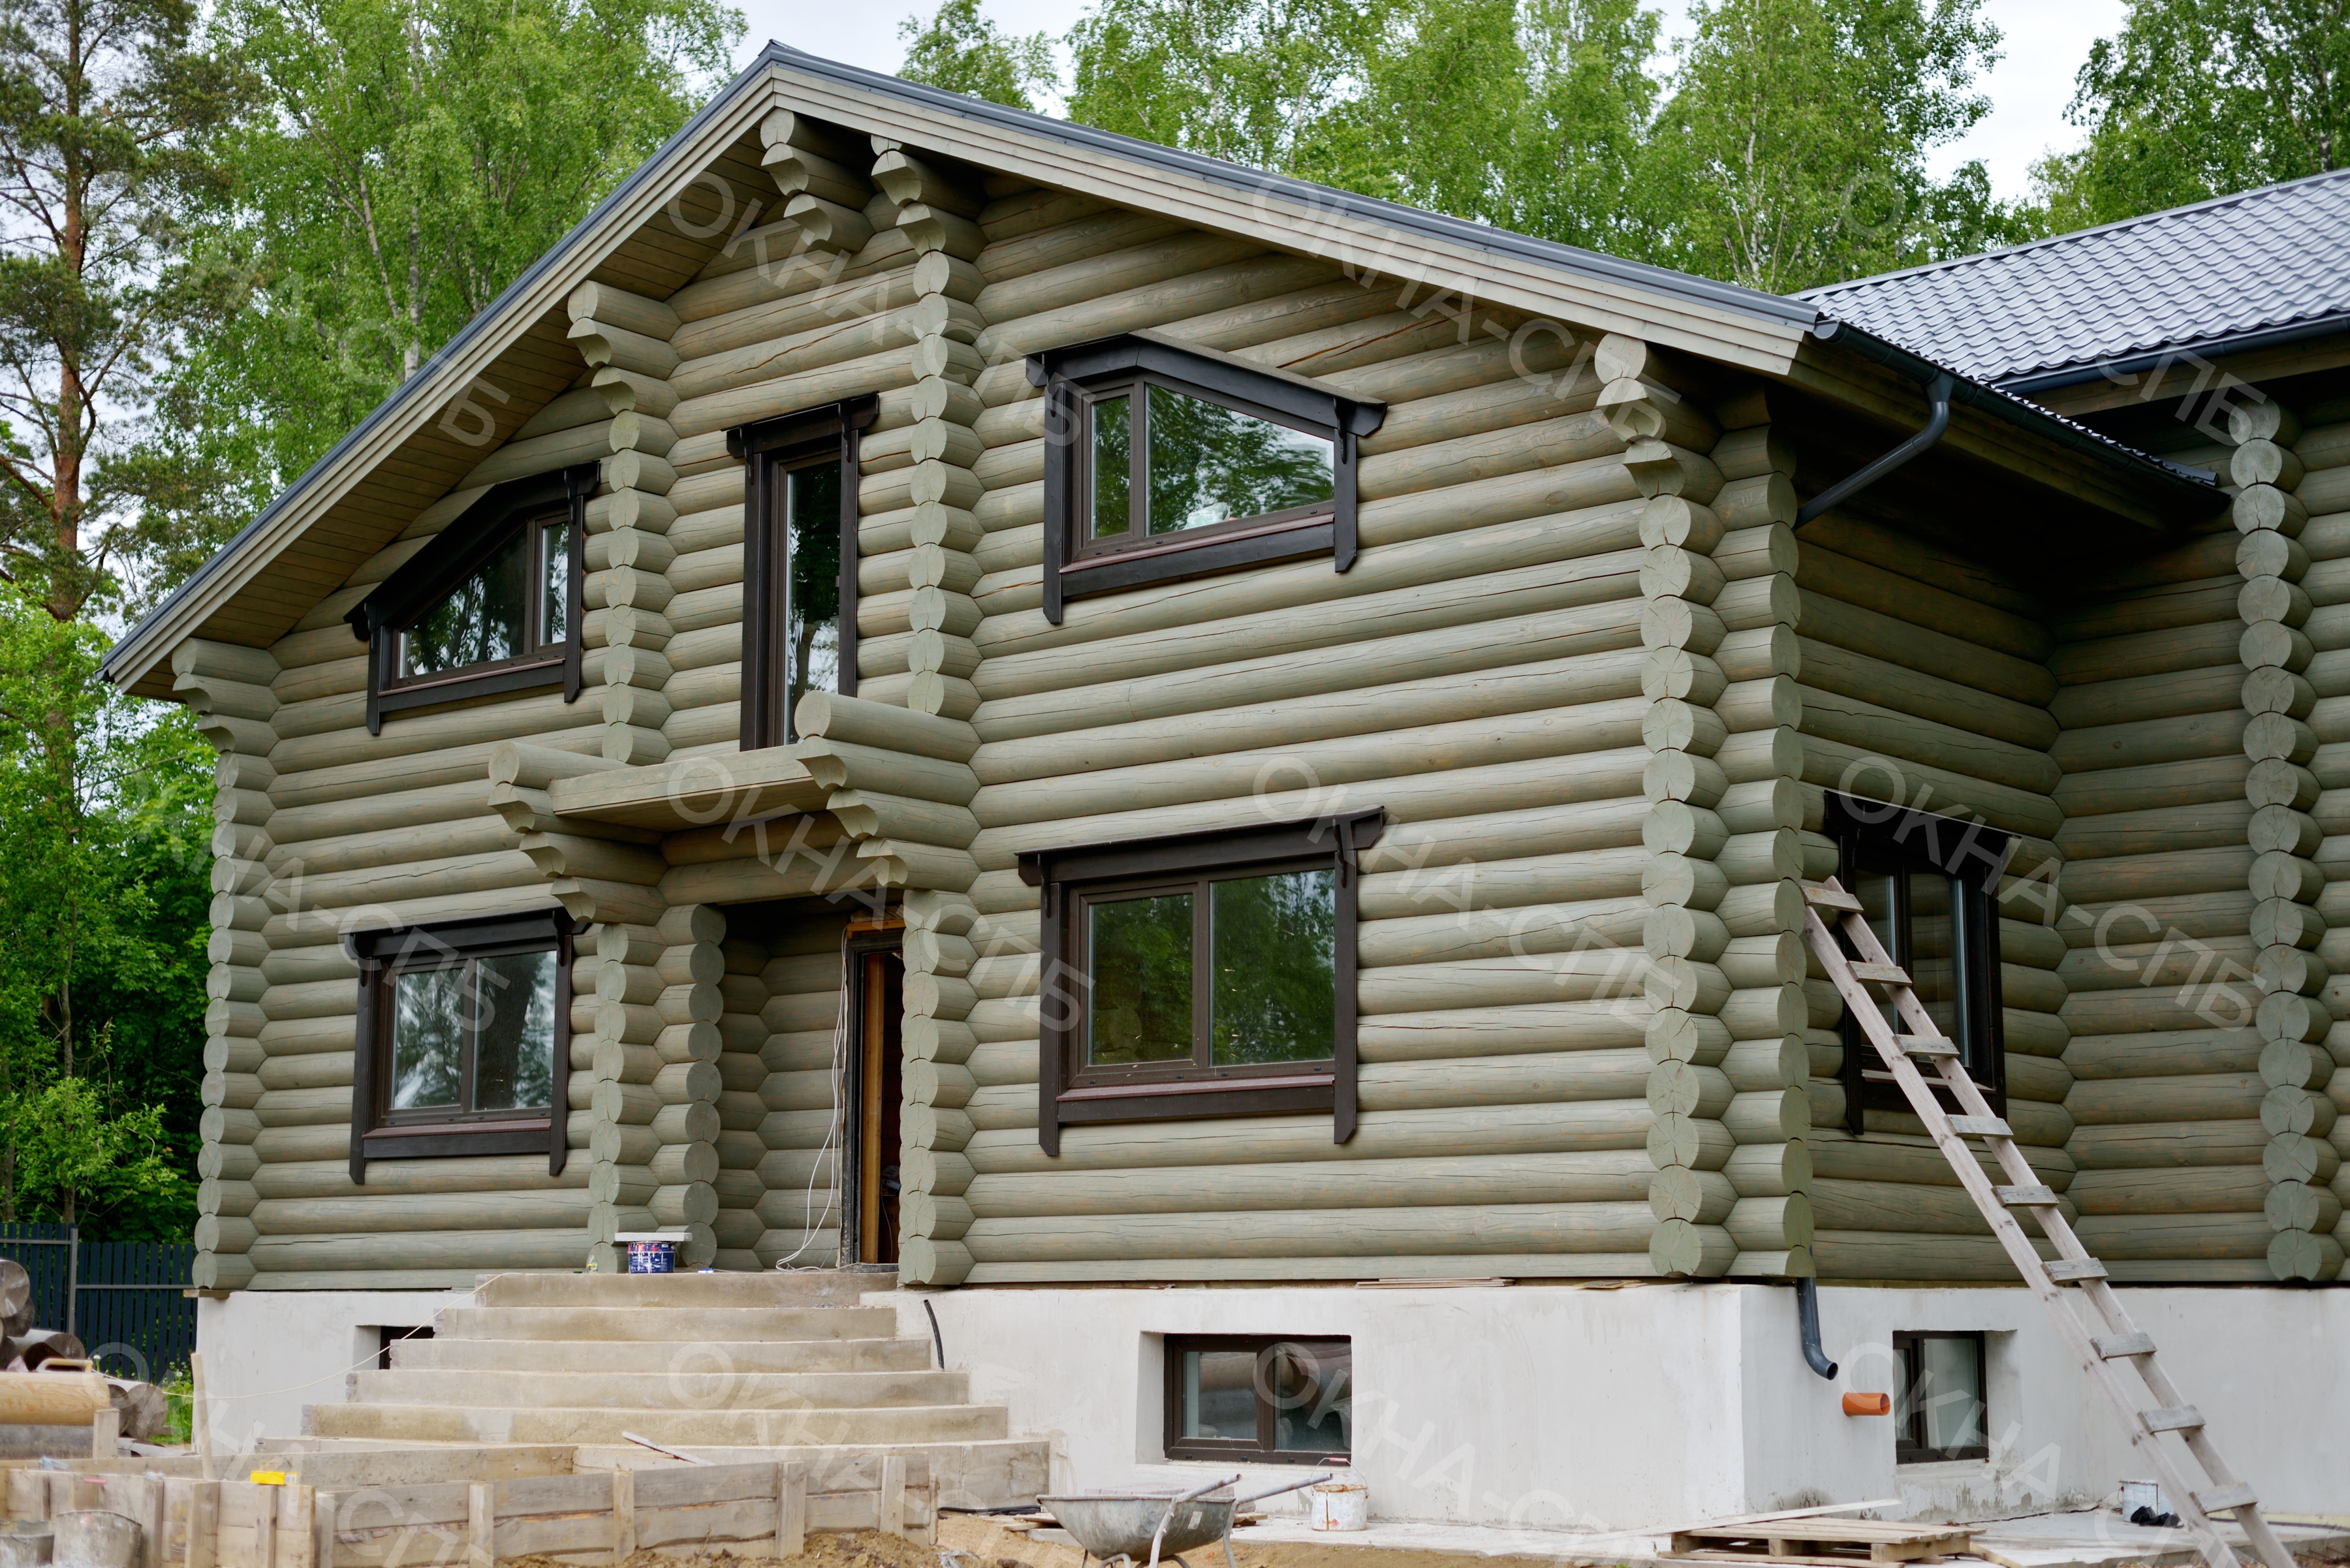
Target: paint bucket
[(91, 1538), (1340, 1505), (653, 1257), (25, 1543)]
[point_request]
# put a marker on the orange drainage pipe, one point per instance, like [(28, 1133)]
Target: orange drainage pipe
[(1868, 1404)]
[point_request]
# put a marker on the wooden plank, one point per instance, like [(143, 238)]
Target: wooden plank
[(588, 1493), (294, 1533), (480, 1525), (791, 1509), (325, 1508), (708, 1523), (556, 1534), (690, 1484), (893, 1506), (624, 1515)]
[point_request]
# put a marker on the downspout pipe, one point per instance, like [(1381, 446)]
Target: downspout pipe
[(1937, 394), (1808, 1322)]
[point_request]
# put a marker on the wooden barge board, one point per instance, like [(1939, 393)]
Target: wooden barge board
[(1862, 1539)]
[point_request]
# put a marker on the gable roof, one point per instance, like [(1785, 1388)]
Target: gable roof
[(663, 224), (2223, 276)]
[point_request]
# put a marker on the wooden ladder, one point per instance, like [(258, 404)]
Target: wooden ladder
[(2122, 1341)]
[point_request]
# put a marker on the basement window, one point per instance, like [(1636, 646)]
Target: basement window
[(463, 1040), (1927, 887), (1258, 1398), (492, 606), (1201, 974), (1941, 1404), (1177, 462), (799, 561)]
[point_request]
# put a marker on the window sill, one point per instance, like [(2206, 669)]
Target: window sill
[(457, 687), (435, 1140), (1178, 558), (1206, 1097)]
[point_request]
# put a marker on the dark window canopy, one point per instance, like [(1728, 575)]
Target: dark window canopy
[(467, 544), (1121, 381)]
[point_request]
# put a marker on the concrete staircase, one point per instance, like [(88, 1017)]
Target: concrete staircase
[(786, 1364)]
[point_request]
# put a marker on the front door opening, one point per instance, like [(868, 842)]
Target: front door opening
[(876, 1071)]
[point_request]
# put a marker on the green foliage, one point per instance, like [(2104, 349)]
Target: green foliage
[(1786, 146), (111, 117), (416, 156), (2197, 99), (1791, 152), (105, 817), (961, 51)]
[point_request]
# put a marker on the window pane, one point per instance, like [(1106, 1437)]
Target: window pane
[(1273, 994), (1311, 1388), (812, 612), (555, 608), (1210, 463), (1933, 950), (1113, 448), (514, 1050), (1876, 890), (1140, 959), (428, 1037), (1950, 1392), (1220, 1393), (482, 620)]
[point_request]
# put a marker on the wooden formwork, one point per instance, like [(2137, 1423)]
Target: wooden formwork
[(593, 1517)]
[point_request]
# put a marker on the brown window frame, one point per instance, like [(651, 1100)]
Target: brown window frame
[(1262, 1449), (1076, 377), (1879, 837), (1071, 1092), (770, 451), (381, 954), (382, 619), (1909, 1446)]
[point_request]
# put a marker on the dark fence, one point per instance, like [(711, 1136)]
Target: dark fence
[(124, 1300)]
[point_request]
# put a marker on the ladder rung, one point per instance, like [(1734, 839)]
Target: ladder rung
[(2186, 1419), (2066, 1270), (2121, 1345), (1979, 1127), (1825, 897), (2027, 1196), (1884, 973), (1926, 1046), (2226, 1498)]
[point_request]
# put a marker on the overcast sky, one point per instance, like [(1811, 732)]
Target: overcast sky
[(2046, 42)]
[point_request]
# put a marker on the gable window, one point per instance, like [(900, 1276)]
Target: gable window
[(464, 1039), (1202, 974), (1927, 885), (1941, 1406), (1236, 1396), (491, 605), (1168, 461), (799, 561)]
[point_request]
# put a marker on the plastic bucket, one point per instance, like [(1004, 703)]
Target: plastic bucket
[(1340, 1505), (653, 1257), (25, 1542), (91, 1538)]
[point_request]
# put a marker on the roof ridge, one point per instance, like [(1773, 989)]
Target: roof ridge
[(2075, 236)]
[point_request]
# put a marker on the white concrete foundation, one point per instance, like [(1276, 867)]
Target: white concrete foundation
[(1557, 1407), (267, 1354)]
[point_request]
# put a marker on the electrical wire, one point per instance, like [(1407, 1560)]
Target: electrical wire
[(832, 1132)]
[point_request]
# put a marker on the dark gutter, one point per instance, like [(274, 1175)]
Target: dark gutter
[(2184, 486), (1937, 397), (2124, 366)]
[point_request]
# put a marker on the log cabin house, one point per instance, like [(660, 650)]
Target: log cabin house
[(937, 691)]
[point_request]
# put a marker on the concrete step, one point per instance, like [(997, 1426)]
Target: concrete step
[(704, 1388), (770, 1288), (890, 1426), (671, 1324), (694, 1359)]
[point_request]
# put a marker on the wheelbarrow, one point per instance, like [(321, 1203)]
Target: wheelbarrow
[(1130, 1527)]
